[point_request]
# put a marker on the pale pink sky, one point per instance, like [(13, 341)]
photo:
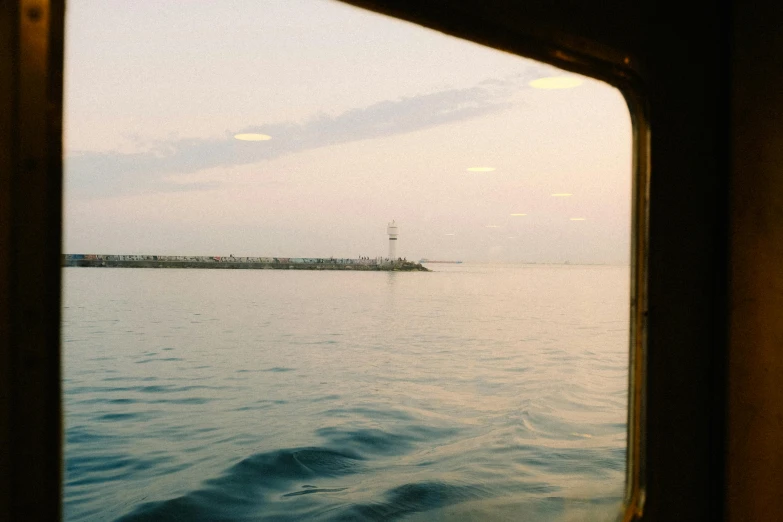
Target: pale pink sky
[(371, 119)]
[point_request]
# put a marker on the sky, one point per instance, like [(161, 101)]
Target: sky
[(369, 118)]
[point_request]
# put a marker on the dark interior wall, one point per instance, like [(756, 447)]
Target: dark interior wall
[(755, 447), (31, 43), (7, 37)]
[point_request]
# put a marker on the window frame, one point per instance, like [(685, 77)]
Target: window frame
[(678, 377)]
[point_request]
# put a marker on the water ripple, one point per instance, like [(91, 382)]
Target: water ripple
[(496, 393)]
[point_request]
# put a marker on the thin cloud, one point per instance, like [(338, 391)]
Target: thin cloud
[(106, 174)]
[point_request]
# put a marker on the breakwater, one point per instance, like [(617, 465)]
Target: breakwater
[(231, 262)]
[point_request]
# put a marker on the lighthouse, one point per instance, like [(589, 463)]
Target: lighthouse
[(392, 231)]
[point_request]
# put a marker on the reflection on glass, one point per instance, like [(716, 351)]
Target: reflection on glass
[(493, 387), (556, 82), (249, 136)]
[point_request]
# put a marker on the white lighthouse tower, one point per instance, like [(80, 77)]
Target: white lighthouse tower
[(392, 231)]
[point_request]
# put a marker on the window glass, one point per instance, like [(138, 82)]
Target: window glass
[(324, 264)]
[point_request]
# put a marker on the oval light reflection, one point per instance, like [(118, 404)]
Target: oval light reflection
[(556, 82), (250, 136)]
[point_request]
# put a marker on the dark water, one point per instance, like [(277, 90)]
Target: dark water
[(478, 392)]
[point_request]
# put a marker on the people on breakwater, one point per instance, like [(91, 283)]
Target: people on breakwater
[(155, 261), (223, 259)]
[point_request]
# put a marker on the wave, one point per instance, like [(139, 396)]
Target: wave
[(269, 486), (322, 483), (252, 485)]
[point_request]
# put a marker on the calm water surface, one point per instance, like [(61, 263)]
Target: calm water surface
[(476, 392)]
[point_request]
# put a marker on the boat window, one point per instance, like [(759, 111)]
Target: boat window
[(324, 264)]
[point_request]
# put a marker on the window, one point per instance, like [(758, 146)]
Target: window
[(289, 135)]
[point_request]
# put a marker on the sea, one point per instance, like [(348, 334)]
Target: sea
[(486, 392)]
